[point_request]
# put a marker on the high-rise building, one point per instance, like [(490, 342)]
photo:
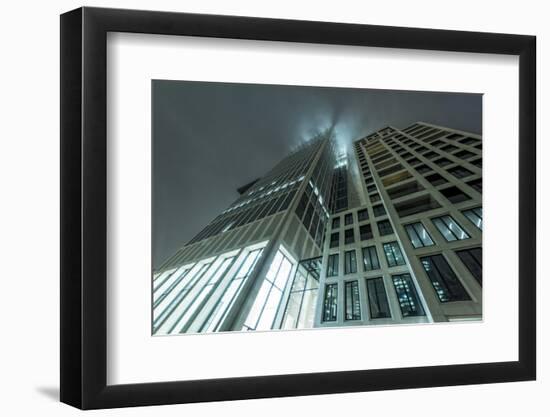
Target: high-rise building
[(391, 234)]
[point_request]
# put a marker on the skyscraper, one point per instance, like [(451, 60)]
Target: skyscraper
[(390, 234)]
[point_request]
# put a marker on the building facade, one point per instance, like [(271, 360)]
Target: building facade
[(387, 235)]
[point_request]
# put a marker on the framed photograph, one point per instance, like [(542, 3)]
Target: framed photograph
[(257, 208)]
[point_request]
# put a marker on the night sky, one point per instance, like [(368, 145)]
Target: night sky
[(211, 138)]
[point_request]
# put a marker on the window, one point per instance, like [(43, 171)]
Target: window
[(418, 235), (332, 265), (390, 170), (416, 205), (423, 169), (442, 162), (265, 307), (365, 231), (464, 154), (460, 172), (336, 223), (436, 179), (352, 304), (478, 163), (348, 237), (350, 262), (404, 189), (445, 282), (371, 188), (449, 148), (378, 301), (370, 259), (454, 195), (475, 215), (384, 227), (348, 219), (393, 254), (379, 210), (300, 308), (407, 296), (431, 155), (476, 185), (362, 215), (450, 229), (472, 258), (227, 300), (330, 303), (334, 239), (374, 197)]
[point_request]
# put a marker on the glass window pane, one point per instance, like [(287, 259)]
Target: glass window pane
[(378, 301), (472, 258), (445, 282), (330, 304), (406, 294)]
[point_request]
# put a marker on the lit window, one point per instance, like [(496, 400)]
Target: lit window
[(330, 303), (418, 235), (265, 307), (352, 303), (475, 215), (378, 301), (450, 229), (393, 254), (445, 282), (407, 296)]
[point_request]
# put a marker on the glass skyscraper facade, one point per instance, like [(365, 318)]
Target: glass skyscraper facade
[(390, 233)]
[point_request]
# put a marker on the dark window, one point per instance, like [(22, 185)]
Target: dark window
[(384, 227), (330, 303), (464, 154), (390, 170), (332, 265), (404, 189), (469, 141), (407, 296), (365, 231), (454, 194), (348, 236), (431, 155), (370, 258), (378, 301), (393, 254), (422, 169), (416, 205), (334, 239), (442, 162), (478, 163), (449, 148), (348, 219), (445, 282), (454, 136), (460, 172), (350, 262), (436, 179), (413, 161), (362, 215), (375, 197), (418, 235), (472, 258), (379, 210), (476, 185), (352, 304), (336, 223)]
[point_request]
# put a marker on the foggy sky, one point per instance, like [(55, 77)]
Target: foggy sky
[(211, 138)]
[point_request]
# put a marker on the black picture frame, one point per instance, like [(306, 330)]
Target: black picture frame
[(84, 209)]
